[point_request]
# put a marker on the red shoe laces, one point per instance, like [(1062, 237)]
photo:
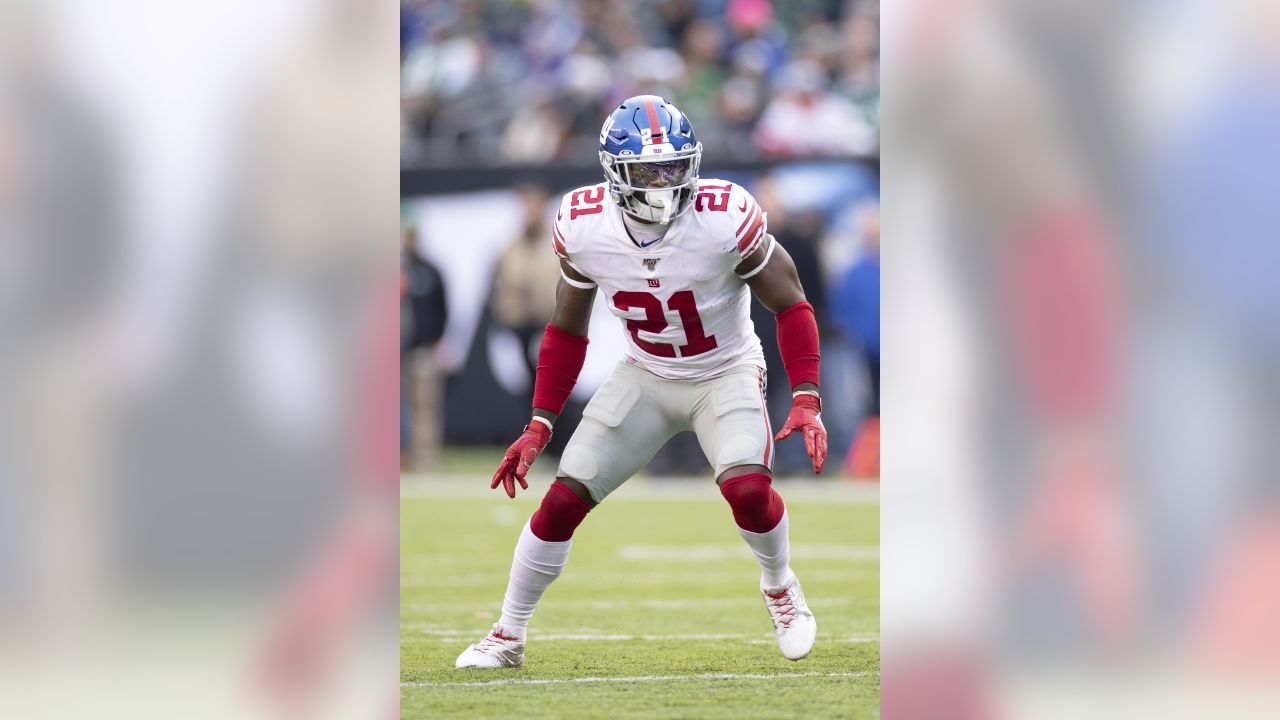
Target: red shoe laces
[(785, 608), (494, 637)]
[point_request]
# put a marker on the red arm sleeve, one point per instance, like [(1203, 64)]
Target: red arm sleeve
[(560, 359), (798, 343)]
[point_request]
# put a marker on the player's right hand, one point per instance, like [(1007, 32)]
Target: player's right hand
[(521, 454), (806, 419)]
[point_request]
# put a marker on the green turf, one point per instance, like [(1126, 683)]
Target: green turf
[(643, 569), (467, 460)]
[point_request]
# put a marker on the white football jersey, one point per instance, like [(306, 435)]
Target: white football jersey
[(687, 313)]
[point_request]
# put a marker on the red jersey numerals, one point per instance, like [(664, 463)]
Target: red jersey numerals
[(655, 321), (712, 197), (683, 303), (587, 201)]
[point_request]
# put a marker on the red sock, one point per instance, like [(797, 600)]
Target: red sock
[(559, 515), (757, 507)]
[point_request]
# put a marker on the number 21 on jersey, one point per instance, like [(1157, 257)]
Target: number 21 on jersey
[(655, 321)]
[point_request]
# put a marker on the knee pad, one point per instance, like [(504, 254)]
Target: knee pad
[(757, 507), (559, 515)]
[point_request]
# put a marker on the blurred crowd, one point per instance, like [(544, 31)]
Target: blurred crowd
[(528, 82)]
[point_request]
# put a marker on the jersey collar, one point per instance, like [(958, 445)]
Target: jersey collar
[(621, 218)]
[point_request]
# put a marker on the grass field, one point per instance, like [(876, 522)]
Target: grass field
[(657, 615)]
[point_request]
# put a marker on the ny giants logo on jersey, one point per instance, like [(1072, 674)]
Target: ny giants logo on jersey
[(650, 264)]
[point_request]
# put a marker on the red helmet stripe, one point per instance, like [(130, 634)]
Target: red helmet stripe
[(655, 129)]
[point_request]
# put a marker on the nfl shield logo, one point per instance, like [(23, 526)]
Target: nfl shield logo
[(650, 263)]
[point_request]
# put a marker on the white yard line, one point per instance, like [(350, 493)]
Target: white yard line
[(448, 637), (637, 678), (534, 637), (689, 577), (717, 553), (498, 579), (855, 640), (452, 635), (643, 489), (623, 604)]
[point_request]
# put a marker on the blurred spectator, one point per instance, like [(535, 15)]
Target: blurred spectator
[(807, 120), (855, 303), (524, 289), (423, 313), (859, 68), (538, 137), (798, 232), (703, 49)]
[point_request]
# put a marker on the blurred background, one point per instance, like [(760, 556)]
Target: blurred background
[(501, 108), (197, 502), (1079, 509), (197, 384)]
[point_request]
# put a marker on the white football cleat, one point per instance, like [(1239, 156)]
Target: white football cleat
[(793, 623), (495, 651)]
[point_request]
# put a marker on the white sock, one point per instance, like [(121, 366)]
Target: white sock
[(536, 564), (773, 552)]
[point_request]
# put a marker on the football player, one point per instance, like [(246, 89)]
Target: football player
[(674, 256)]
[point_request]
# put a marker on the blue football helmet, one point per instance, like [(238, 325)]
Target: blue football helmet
[(650, 158)]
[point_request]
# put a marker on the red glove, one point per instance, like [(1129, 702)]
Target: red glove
[(522, 453), (806, 417)]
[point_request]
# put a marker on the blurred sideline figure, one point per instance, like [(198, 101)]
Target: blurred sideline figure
[(1215, 177), (799, 232), (1031, 255), (424, 311), (62, 224), (524, 286), (856, 313), (319, 235), (832, 124)]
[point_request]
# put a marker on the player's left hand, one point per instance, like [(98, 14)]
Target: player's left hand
[(806, 418), (521, 454)]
